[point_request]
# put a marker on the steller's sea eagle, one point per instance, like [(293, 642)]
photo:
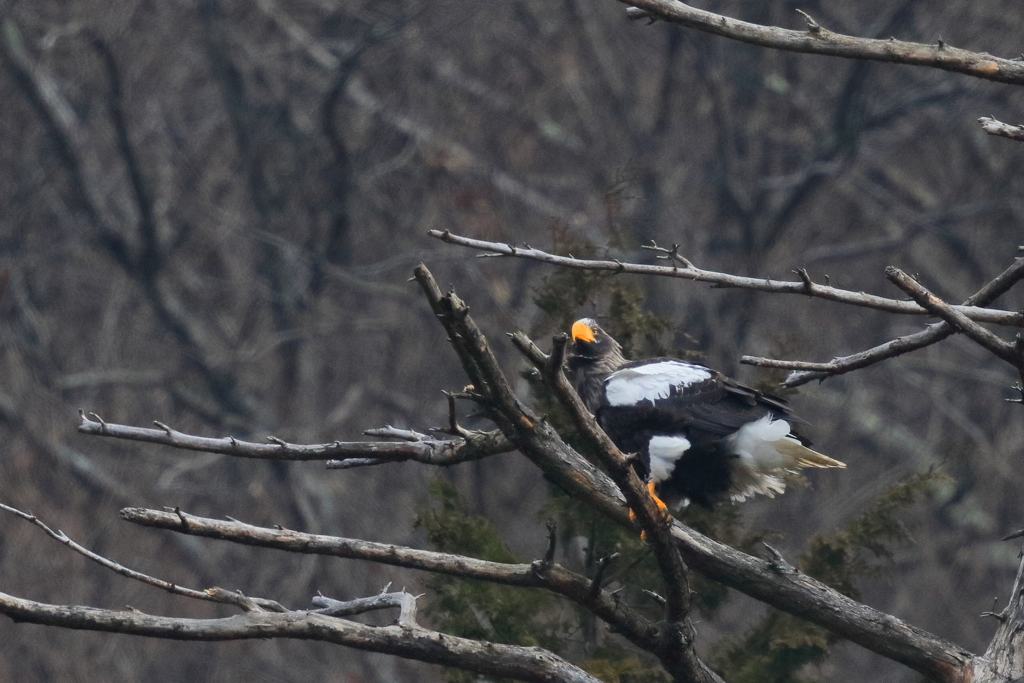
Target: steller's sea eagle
[(698, 435)]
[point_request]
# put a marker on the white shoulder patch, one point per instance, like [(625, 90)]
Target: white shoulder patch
[(651, 381), (664, 451)]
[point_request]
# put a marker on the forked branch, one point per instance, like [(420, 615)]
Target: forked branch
[(1011, 353), (805, 372), (405, 602)]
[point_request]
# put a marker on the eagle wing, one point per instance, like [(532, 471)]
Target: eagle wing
[(665, 395)]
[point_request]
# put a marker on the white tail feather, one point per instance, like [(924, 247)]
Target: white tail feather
[(766, 451)]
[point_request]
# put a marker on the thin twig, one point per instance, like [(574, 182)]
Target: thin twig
[(218, 595)]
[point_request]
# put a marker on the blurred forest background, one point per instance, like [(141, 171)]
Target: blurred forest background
[(209, 210)]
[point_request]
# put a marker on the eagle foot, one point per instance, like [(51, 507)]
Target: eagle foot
[(663, 513)]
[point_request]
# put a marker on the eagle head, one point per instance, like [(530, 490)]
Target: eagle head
[(590, 344)]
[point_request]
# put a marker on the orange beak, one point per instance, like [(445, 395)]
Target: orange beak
[(582, 331)]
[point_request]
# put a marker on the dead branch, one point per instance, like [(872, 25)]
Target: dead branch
[(687, 271), (1005, 130), (818, 40), (624, 619), (472, 446), (492, 659), (808, 372), (812, 600)]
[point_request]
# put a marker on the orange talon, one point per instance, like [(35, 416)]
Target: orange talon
[(657, 501), (662, 508)]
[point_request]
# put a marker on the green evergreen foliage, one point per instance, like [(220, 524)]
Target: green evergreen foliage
[(855, 551), (570, 293), (478, 609)]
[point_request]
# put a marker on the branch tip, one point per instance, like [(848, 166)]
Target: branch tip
[(812, 25)]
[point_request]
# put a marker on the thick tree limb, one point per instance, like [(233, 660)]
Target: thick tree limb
[(1005, 130), (688, 271), (818, 40), (812, 600), (473, 446), (492, 659), (808, 372), (1002, 661)]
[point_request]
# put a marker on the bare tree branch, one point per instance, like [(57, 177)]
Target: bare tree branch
[(808, 372), (1005, 130), (818, 40), (473, 446), (690, 272), (218, 595), (553, 577), (493, 659)]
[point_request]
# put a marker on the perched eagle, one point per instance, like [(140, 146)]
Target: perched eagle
[(699, 436)]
